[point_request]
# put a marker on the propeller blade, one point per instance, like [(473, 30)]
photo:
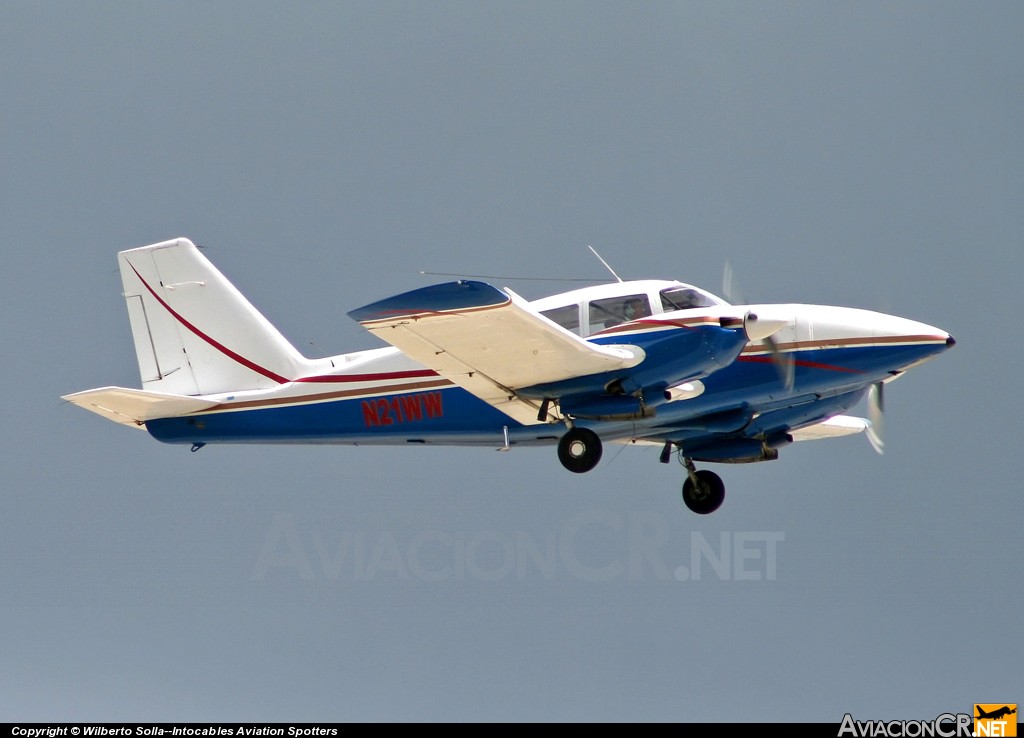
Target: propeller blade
[(876, 414), (784, 363), (764, 330), (730, 288)]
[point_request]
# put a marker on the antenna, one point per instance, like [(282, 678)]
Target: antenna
[(604, 262), (500, 276)]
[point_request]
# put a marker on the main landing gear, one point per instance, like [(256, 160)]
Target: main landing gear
[(579, 450)]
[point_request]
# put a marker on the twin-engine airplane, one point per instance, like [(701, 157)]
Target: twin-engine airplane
[(644, 362)]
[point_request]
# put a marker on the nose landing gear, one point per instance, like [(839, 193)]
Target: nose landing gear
[(703, 490)]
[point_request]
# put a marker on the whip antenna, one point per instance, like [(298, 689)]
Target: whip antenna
[(604, 262)]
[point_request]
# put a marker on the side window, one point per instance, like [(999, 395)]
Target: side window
[(568, 317), (683, 298), (615, 310)]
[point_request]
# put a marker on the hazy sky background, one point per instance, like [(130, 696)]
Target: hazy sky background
[(863, 154)]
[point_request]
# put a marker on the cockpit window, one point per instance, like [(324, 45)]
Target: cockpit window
[(615, 310), (568, 317), (683, 298)]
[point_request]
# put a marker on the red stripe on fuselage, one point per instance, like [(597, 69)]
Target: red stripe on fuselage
[(382, 376), (377, 377), (801, 362), (212, 341), (650, 324)]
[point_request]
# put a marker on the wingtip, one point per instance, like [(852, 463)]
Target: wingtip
[(433, 300)]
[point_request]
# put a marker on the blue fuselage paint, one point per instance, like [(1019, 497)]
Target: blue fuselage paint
[(672, 355), (827, 380)]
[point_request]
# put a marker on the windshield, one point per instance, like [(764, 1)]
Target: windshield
[(684, 298)]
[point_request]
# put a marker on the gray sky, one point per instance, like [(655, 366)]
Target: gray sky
[(862, 154)]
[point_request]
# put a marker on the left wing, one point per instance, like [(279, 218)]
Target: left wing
[(707, 437), (489, 342)]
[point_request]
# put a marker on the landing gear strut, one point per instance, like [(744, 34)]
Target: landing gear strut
[(579, 450), (703, 491)]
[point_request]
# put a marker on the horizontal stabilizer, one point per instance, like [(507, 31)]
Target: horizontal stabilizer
[(135, 407), (834, 427)]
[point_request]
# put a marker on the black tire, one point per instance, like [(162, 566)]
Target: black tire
[(706, 497), (579, 450)]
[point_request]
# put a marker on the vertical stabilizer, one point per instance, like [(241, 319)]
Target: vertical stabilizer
[(195, 334)]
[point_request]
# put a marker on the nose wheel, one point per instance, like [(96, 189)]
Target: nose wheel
[(579, 450), (703, 490)]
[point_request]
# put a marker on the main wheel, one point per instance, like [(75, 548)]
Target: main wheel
[(707, 495), (579, 450)]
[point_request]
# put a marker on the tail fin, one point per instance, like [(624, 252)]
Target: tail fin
[(195, 334)]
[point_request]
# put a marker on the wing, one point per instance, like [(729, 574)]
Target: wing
[(834, 427), (134, 407), (746, 435), (488, 342)]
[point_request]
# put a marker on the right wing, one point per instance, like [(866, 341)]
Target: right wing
[(834, 427), (489, 342)]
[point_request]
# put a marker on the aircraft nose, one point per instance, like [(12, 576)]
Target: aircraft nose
[(903, 331), (882, 341)]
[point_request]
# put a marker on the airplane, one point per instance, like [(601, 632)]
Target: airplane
[(995, 714), (641, 362)]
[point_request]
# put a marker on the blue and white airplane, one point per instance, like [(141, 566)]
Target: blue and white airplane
[(632, 362)]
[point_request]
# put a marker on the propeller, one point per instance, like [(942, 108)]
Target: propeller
[(783, 361), (876, 414)]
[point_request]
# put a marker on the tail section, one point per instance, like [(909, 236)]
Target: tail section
[(195, 334)]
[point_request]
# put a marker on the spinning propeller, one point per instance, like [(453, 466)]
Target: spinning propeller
[(876, 410), (785, 367), (783, 362)]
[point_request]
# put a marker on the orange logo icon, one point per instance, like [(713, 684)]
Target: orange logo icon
[(995, 720)]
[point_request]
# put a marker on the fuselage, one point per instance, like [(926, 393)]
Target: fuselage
[(381, 396)]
